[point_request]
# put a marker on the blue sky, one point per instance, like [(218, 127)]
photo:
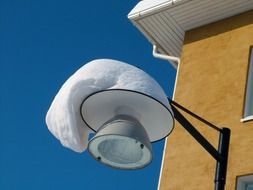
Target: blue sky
[(42, 42)]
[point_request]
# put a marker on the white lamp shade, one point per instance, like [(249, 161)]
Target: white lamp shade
[(102, 82), (100, 107)]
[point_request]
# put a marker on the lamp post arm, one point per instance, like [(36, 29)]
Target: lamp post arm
[(196, 135), (194, 115), (220, 155)]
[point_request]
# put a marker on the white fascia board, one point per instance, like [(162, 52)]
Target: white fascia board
[(146, 7)]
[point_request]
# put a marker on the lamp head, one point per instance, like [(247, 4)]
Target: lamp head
[(122, 143), (125, 122)]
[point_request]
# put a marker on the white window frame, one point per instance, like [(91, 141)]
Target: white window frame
[(249, 85), (242, 181)]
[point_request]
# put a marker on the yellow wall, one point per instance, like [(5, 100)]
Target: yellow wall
[(211, 83)]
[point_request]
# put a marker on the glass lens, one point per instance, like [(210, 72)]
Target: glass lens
[(122, 151)]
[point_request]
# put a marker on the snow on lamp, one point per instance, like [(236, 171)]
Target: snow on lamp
[(121, 104)]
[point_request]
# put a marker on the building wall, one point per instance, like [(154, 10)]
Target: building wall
[(211, 83)]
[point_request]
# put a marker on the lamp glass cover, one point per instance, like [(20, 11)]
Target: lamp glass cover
[(122, 143)]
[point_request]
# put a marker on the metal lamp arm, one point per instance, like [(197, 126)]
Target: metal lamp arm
[(196, 135), (220, 155)]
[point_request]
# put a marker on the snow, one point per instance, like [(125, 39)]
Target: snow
[(63, 118)]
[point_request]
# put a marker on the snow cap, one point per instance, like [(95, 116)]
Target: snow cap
[(63, 118)]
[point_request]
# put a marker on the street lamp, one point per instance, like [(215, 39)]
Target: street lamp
[(127, 112), (125, 122)]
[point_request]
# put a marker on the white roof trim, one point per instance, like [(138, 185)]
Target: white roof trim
[(164, 22), (147, 7)]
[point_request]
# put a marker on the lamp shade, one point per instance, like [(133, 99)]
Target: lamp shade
[(101, 90), (102, 106)]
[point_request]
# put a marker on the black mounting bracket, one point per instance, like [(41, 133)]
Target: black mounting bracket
[(220, 155)]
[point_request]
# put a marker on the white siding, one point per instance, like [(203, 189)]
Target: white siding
[(164, 22)]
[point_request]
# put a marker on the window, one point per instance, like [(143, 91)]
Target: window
[(244, 182), (248, 107), (249, 186)]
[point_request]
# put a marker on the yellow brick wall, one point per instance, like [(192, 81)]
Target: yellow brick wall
[(211, 83)]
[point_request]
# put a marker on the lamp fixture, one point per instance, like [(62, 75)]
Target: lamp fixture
[(127, 110), (125, 122)]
